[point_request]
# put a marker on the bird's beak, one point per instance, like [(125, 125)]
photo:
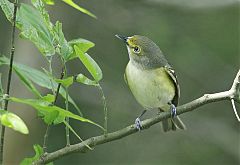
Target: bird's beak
[(123, 38)]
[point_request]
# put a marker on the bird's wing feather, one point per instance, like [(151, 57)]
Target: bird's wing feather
[(173, 76)]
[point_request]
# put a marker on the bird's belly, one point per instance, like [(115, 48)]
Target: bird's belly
[(151, 88)]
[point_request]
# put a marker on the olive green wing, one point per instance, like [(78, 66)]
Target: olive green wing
[(173, 76)]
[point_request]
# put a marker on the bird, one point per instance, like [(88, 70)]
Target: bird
[(152, 80)]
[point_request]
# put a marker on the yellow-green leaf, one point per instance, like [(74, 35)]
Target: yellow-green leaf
[(74, 5), (65, 82), (45, 108), (83, 79), (11, 120), (89, 63)]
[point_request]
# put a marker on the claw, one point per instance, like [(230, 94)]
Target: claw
[(173, 110), (138, 124)]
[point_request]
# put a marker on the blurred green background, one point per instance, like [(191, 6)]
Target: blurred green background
[(199, 38)]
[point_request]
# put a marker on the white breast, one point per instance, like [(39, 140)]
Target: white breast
[(152, 88)]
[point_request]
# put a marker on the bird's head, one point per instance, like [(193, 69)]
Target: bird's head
[(142, 50)]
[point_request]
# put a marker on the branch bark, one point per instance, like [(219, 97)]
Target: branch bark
[(232, 94)]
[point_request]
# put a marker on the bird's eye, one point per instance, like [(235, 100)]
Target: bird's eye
[(136, 49)]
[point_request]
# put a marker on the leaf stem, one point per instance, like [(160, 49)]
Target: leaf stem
[(105, 110), (59, 85), (67, 119), (9, 77), (67, 108), (46, 135)]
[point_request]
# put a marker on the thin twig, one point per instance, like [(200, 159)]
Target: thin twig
[(9, 77), (105, 110), (235, 110), (97, 140), (67, 119), (59, 85), (67, 107), (46, 135)]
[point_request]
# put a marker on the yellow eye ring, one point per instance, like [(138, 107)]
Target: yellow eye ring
[(136, 49)]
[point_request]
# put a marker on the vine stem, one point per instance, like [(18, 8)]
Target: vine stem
[(9, 77)]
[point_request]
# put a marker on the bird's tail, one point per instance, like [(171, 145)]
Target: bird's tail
[(172, 124)]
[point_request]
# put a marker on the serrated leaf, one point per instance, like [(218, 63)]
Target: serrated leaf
[(63, 48), (65, 82), (90, 64), (74, 5), (36, 27), (39, 5), (11, 120), (46, 107), (38, 77), (7, 8), (84, 80)]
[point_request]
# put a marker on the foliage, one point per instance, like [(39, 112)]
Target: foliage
[(72, 4), (34, 24), (29, 75), (11, 120), (38, 153)]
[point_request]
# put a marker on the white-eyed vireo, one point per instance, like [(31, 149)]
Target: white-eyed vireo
[(151, 79)]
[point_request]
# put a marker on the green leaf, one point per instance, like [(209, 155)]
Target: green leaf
[(27, 82), (74, 5), (7, 8), (39, 5), (84, 80), (11, 120), (46, 107), (82, 44), (90, 64), (39, 78), (36, 27), (38, 153), (49, 2), (64, 49), (65, 82), (49, 98)]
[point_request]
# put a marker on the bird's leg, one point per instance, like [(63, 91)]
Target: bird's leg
[(138, 121), (173, 110)]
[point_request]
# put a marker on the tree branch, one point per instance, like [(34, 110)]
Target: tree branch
[(233, 93)]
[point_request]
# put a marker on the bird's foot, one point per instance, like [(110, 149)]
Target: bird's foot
[(138, 124), (173, 110)]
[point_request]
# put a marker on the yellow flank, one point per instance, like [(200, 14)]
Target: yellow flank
[(152, 88)]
